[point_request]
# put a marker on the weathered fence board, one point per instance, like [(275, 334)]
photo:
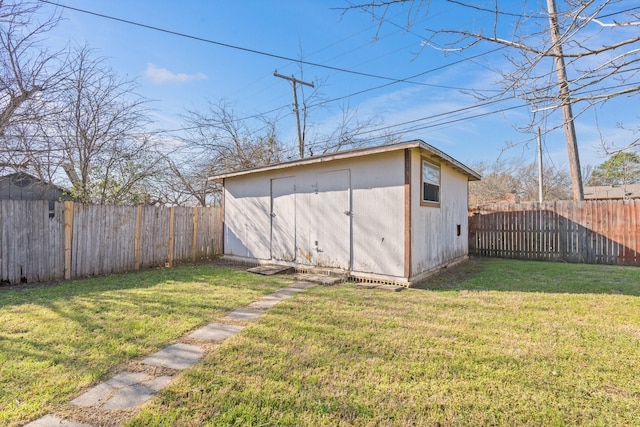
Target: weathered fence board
[(594, 232), (76, 240), (30, 239)]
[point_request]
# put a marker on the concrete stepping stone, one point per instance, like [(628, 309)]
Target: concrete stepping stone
[(288, 291), (94, 396), (124, 379), (158, 383), (277, 296), (122, 388), (270, 269), (244, 314), (216, 332), (321, 279), (302, 285), (176, 356), (129, 397), (283, 293), (53, 421), (264, 303)]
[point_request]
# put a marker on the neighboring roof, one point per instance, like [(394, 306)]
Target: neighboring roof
[(23, 186), (358, 152), (610, 192), (28, 179)]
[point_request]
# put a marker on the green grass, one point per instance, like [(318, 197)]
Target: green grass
[(56, 340), (490, 342)]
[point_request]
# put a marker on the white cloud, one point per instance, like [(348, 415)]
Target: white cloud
[(162, 75)]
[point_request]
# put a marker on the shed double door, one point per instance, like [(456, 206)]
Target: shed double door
[(316, 224)]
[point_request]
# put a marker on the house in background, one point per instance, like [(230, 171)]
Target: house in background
[(390, 213), (22, 186), (612, 192)]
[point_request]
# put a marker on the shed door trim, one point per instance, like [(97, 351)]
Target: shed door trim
[(407, 213)]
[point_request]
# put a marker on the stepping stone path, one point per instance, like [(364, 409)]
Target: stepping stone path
[(128, 390)]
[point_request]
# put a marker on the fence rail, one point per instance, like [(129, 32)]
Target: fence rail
[(75, 240), (592, 232)]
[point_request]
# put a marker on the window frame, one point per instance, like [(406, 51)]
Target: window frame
[(435, 165)]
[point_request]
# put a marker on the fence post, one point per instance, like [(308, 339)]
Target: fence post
[(68, 238), (171, 228), (137, 238), (194, 248)]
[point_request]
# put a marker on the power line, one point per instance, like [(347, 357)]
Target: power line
[(227, 45), (618, 13)]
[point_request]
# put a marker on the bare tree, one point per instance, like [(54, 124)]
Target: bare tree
[(217, 141), (594, 48), (511, 181), (350, 131), (99, 131), (29, 76), (185, 182)]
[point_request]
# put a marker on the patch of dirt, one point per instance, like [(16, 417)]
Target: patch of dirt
[(97, 417), (4, 286), (206, 345), (155, 371)]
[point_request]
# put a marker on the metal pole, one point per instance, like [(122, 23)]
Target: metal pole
[(540, 196)]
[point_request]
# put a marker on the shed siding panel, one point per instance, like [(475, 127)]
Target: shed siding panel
[(283, 219), (378, 214), (306, 216), (247, 227), (435, 241)]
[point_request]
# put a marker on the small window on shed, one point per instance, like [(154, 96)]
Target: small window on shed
[(430, 176)]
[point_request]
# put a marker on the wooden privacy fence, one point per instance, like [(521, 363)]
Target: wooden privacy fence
[(592, 232), (75, 240)]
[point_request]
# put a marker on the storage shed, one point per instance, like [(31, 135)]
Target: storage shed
[(390, 213)]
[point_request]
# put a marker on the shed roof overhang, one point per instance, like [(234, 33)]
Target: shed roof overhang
[(359, 152)]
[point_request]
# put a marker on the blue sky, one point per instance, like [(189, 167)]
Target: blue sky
[(178, 73)]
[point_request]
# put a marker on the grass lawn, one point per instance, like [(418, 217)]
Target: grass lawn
[(57, 340), (490, 342)]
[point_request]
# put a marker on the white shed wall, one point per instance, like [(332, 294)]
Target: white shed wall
[(363, 222), (435, 241)]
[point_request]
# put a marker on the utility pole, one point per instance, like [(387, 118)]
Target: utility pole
[(295, 81), (540, 197), (565, 99)]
